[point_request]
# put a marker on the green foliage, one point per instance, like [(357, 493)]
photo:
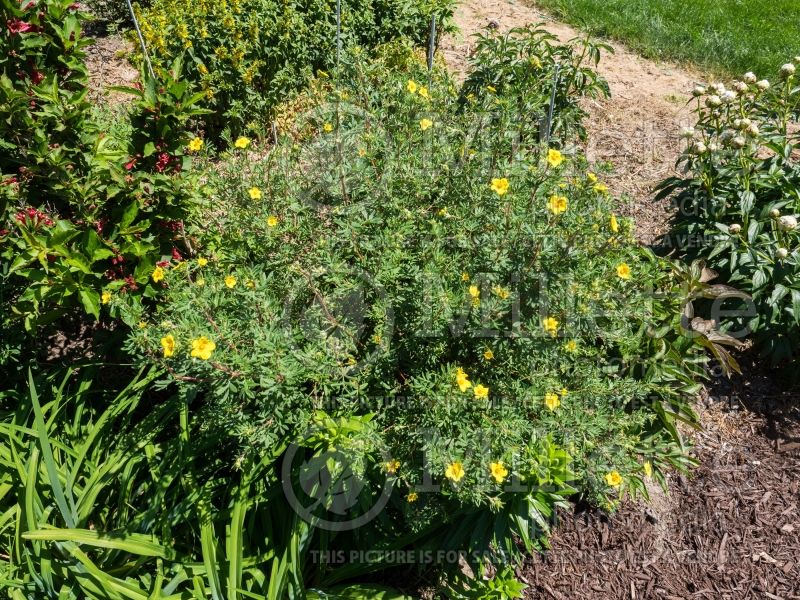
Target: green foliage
[(503, 586), (82, 214), (248, 55), (738, 202), (529, 71), (407, 257), (726, 37)]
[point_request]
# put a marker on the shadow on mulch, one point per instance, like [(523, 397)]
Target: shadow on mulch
[(729, 530)]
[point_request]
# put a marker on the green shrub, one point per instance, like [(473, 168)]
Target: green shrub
[(83, 215), (248, 55), (401, 258), (738, 203)]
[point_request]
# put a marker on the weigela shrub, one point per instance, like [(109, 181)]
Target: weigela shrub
[(402, 255), (83, 215), (247, 55), (738, 203)]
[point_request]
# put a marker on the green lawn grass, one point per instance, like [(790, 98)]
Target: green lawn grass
[(722, 36)]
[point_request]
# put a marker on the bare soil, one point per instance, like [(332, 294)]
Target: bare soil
[(107, 61)]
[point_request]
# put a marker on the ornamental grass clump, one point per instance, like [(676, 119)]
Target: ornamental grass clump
[(739, 199), (465, 290)]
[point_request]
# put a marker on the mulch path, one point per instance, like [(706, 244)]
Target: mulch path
[(730, 529)]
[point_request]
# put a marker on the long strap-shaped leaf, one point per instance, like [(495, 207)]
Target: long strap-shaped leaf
[(47, 456)]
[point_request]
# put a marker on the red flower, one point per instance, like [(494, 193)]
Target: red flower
[(176, 255), (37, 77), (131, 164), (19, 26)]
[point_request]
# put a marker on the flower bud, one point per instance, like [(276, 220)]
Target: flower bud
[(738, 142), (713, 147), (781, 253), (687, 132), (699, 148), (713, 101), (735, 228), (717, 88), (740, 86), (787, 223), (753, 130), (698, 90), (762, 85), (774, 213), (728, 96), (749, 77), (787, 69)]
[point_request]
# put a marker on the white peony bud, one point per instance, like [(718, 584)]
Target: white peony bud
[(740, 86), (728, 96), (735, 228), (781, 253), (753, 130), (717, 88), (787, 69), (774, 213), (699, 148), (738, 142), (713, 101), (687, 132), (713, 147), (698, 90), (762, 85), (787, 223), (749, 77)]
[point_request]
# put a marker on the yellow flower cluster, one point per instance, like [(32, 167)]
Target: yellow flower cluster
[(202, 347), (463, 383), (455, 471)]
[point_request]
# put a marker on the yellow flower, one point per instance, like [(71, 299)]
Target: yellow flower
[(501, 292), (425, 123), (230, 281), (623, 271), (557, 204), (158, 274), (491, 89), (412, 497), (601, 188), (250, 284), (272, 221), (168, 345), (564, 392), (612, 222), (554, 157), (464, 276), (195, 145), (474, 291), (552, 401), (462, 380), (443, 212), (202, 261), (488, 355), (613, 479), (550, 325), (242, 142), (142, 325), (255, 193), (200, 282), (411, 86), (499, 471), (481, 391), (648, 469), (571, 346), (423, 91), (392, 466), (362, 153), (500, 186), (202, 348), (105, 298), (327, 128), (454, 471), (591, 177)]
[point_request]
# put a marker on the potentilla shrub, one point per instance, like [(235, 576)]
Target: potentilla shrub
[(739, 200), (400, 254), (248, 55)]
